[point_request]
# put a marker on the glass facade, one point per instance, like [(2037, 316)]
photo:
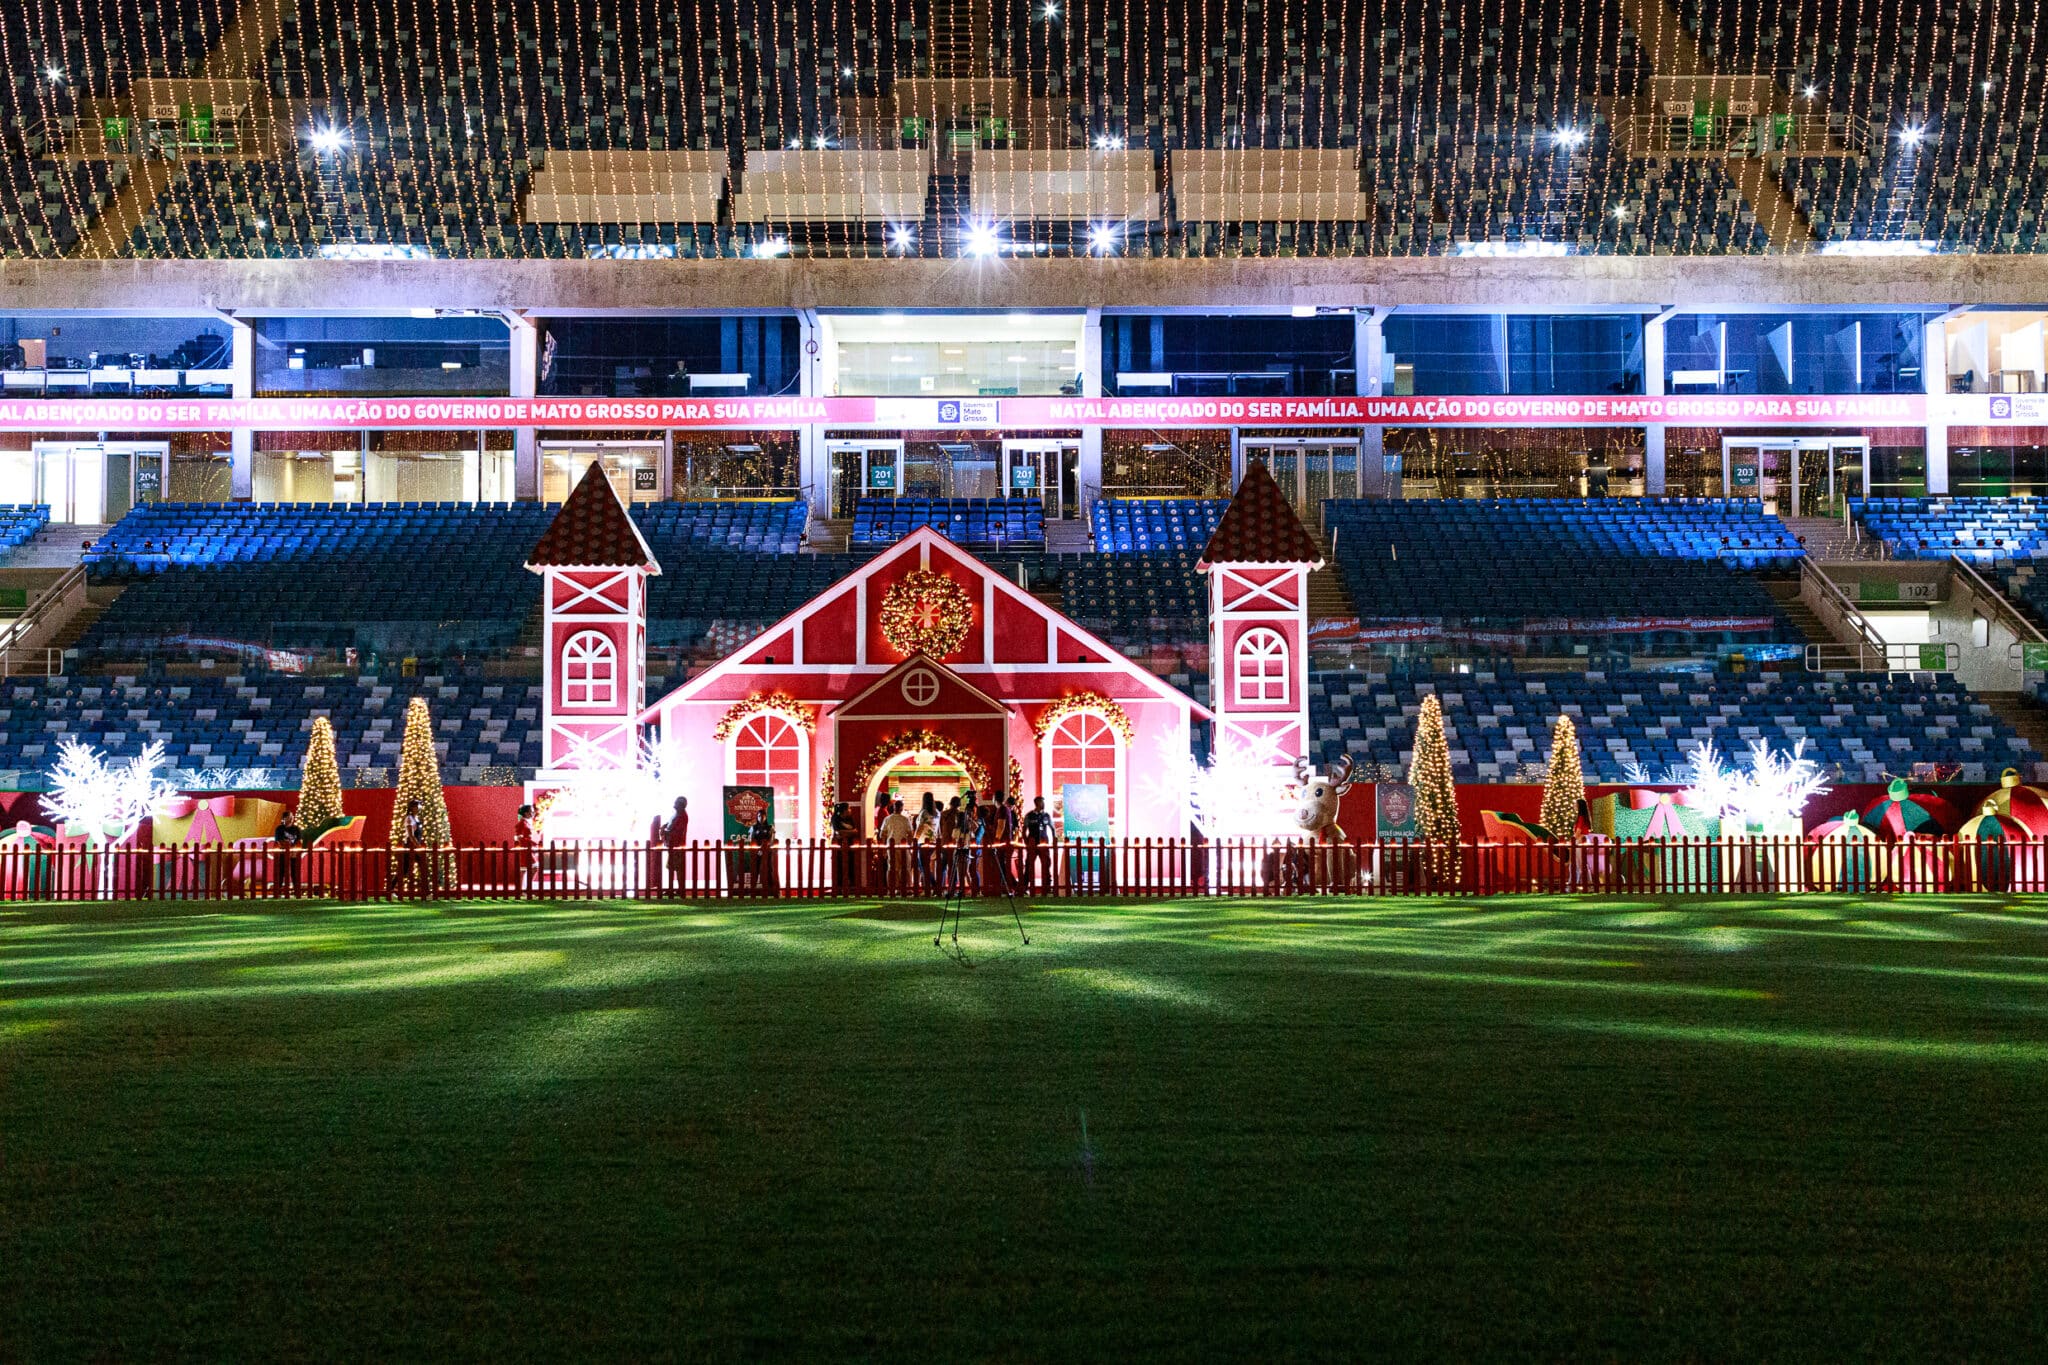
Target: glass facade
[(1193, 355), (467, 355), (1513, 353), (1736, 353), (85, 357), (731, 357)]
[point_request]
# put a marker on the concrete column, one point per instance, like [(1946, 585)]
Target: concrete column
[(1369, 355), (524, 383), (1934, 378), (241, 441), (814, 466), (1653, 385), (1089, 469)]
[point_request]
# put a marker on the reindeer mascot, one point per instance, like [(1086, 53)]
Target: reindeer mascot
[(1330, 864)]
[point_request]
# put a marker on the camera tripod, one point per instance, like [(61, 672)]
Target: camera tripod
[(961, 860)]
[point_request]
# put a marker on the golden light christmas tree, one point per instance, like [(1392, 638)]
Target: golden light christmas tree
[(419, 778), (1436, 800), (320, 783), (1565, 786)]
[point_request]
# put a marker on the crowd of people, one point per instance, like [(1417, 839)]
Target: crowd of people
[(969, 846)]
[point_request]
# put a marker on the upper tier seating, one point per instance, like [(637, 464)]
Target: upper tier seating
[(427, 577), (1181, 526), (1517, 559), (1984, 530), (1867, 726), (1017, 522), (20, 524)]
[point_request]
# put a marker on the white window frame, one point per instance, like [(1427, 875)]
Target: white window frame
[(598, 655), (1258, 649)]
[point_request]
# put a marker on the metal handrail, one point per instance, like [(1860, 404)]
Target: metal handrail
[(23, 625), (1867, 641), (2011, 615)]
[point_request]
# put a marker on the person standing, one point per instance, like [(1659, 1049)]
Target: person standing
[(1037, 844), (845, 832), (675, 840), (411, 842), (895, 836), (768, 877), (525, 849), (951, 823), (925, 829), (289, 838)]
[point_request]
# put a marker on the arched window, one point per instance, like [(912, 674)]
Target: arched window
[(1083, 748), (590, 670), (771, 751), (1261, 668)]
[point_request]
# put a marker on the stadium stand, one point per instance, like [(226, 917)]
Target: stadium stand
[(436, 578), (1984, 530), (996, 522), (1574, 563), (1865, 726), (262, 719), (19, 525), (1143, 525)]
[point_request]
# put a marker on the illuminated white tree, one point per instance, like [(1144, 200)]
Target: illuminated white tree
[(105, 801), (1772, 792)]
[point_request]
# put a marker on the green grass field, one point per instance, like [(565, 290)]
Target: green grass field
[(1734, 1129)]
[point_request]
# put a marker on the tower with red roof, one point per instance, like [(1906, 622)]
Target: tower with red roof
[(594, 566), (1258, 563)]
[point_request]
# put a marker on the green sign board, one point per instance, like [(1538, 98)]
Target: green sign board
[(913, 128), (1744, 475), (116, 129), (1023, 478), (1394, 804), (1877, 590), (14, 600), (1084, 810), (1933, 658), (882, 476), (744, 806), (197, 120), (2034, 657), (995, 129)]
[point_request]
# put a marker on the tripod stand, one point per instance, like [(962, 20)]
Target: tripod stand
[(961, 860)]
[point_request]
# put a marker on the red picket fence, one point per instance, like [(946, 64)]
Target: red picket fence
[(1123, 869)]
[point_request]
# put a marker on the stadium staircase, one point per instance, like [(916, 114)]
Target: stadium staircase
[(59, 545), (2024, 713), (1830, 540), (828, 535), (1811, 628), (1068, 538)]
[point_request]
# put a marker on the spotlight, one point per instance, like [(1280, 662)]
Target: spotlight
[(821, 142), (1051, 10), (900, 237), (1912, 135), (982, 240), (56, 74), (846, 71), (796, 144), (1621, 212), (770, 248), (1810, 91), (1568, 137), (328, 139), (1103, 239), (1109, 142)]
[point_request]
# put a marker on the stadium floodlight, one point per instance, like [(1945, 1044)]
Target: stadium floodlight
[(1050, 11), (900, 237), (327, 138), (983, 240), (770, 248), (1912, 134), (821, 142), (1104, 238), (56, 74), (796, 144), (846, 71), (1810, 91), (1569, 138), (1621, 212), (1109, 142)]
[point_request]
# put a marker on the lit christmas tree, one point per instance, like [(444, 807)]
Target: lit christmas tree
[(1565, 786), (1436, 800), (419, 778), (320, 783)]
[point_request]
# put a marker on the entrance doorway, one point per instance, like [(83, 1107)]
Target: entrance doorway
[(634, 467), (864, 469), (909, 779), (87, 483), (1797, 476), (1046, 469), (1307, 468)]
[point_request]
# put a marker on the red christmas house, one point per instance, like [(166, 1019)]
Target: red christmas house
[(926, 670), (1258, 563), (595, 566)]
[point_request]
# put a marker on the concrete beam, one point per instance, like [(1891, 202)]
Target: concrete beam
[(1729, 283)]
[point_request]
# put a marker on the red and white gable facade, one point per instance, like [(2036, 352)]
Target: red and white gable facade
[(1023, 686), (1258, 563), (594, 566)]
